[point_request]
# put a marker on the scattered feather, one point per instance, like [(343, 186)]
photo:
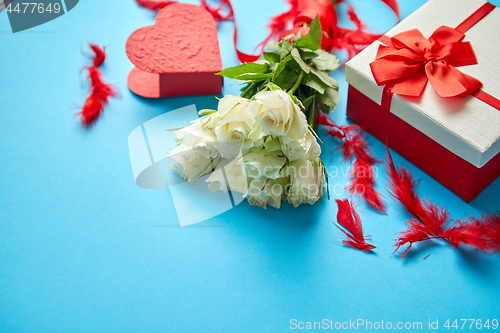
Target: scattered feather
[(355, 147), (100, 91), (350, 224), (431, 221)]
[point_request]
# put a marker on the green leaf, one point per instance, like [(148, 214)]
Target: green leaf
[(254, 76), (307, 54), (300, 62), (307, 103), (312, 40), (249, 90), (174, 129), (281, 66), (325, 61), (306, 100), (302, 96), (273, 86), (272, 52), (298, 37), (292, 77), (316, 83), (330, 97), (294, 66), (251, 67), (286, 47), (327, 79), (298, 102), (288, 81), (261, 61), (323, 107), (206, 111), (286, 73)]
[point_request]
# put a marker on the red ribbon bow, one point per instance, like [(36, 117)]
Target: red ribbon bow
[(410, 60)]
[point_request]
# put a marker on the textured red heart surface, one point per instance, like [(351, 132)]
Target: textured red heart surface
[(178, 56)]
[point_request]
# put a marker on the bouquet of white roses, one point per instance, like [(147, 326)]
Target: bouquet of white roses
[(262, 144)]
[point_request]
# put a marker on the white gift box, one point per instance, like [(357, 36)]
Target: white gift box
[(455, 140)]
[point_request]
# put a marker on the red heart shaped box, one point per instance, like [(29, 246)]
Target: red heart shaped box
[(178, 56)]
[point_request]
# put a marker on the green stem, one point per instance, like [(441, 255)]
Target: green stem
[(263, 86), (248, 89), (297, 84), (311, 112)]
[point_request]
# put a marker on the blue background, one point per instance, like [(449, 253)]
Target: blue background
[(83, 249)]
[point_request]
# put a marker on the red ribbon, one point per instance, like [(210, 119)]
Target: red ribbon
[(303, 12), (410, 60)]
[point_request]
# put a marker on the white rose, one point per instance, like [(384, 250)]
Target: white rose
[(258, 164), (209, 121), (192, 162), (198, 136), (234, 173), (304, 148), (272, 145), (277, 114), (307, 181), (196, 154), (275, 190), (256, 196), (264, 191), (233, 126)]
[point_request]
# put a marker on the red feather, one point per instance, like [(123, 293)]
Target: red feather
[(355, 147), (99, 54), (354, 40), (100, 91), (348, 220), (430, 220), (353, 17), (351, 226), (416, 233), (90, 110), (494, 231), (360, 246), (482, 234), (403, 187), (323, 119), (362, 184)]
